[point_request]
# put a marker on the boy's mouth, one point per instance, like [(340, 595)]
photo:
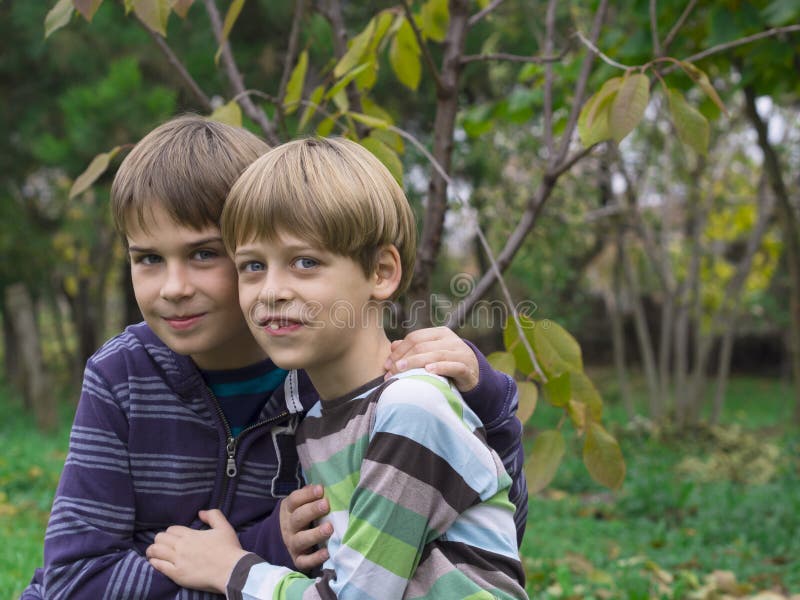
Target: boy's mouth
[(183, 321), (280, 326)]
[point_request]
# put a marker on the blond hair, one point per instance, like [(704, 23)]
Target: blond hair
[(331, 192), (187, 166)]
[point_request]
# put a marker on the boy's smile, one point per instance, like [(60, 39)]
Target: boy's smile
[(185, 286)]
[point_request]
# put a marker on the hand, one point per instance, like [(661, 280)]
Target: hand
[(439, 351), (201, 560), (298, 512)]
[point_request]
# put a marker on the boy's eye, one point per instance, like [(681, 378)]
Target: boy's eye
[(205, 254), (251, 266), (304, 263), (147, 259)]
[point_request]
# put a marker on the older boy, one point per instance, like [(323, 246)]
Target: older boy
[(321, 235), (184, 411)]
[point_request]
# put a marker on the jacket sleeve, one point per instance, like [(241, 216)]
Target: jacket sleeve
[(264, 538), (495, 401), (89, 549)]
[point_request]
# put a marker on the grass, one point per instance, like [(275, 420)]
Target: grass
[(661, 536)]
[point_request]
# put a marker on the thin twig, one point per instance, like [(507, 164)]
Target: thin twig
[(654, 27), (567, 164), (580, 86), (539, 60), (678, 25), (256, 113), (474, 19), (606, 59), (291, 51), (740, 42), (426, 53), (550, 25), (179, 67)]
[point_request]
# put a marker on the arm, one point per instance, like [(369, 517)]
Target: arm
[(89, 547), (492, 395)]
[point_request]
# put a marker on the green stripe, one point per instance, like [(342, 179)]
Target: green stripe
[(453, 400), (391, 518), (346, 460), (292, 587), (381, 548), (500, 500), (455, 584), (340, 494)]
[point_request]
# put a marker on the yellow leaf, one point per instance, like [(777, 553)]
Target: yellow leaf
[(230, 114), (313, 102), (230, 19), (87, 8), (628, 106), (545, 457), (528, 397), (58, 16), (513, 343), (701, 79), (373, 122), (502, 361), (154, 14), (556, 350), (577, 414), (603, 457), (692, 127), (96, 168), (181, 7), (325, 126), (404, 56), (593, 124), (583, 391), (435, 20), (557, 390), (294, 88), (356, 51)]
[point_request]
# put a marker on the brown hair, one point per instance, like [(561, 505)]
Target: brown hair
[(186, 165), (333, 193)]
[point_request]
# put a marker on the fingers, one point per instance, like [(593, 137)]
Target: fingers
[(464, 377), (304, 516), (214, 518), (307, 540), (306, 562), (304, 495), (162, 566)]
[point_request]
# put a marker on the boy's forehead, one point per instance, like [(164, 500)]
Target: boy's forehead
[(154, 216)]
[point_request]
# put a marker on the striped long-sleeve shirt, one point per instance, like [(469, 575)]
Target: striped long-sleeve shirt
[(419, 502)]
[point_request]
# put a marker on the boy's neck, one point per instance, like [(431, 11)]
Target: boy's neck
[(361, 364)]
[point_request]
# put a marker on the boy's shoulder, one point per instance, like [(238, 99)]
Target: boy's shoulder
[(419, 391)]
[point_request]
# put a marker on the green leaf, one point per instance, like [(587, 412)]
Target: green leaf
[(342, 83), (583, 390), (404, 56), (513, 344), (230, 114), (386, 155), (781, 12), (435, 20), (294, 88), (341, 101), (87, 8), (603, 457), (58, 16), (701, 79), (692, 127), (355, 53), (556, 350), (577, 414), (502, 361), (181, 7), (325, 126), (528, 397), (154, 14), (96, 168), (545, 457), (313, 102), (372, 122), (230, 19), (557, 390), (367, 78), (593, 124), (628, 106)]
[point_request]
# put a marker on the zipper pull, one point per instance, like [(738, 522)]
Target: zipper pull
[(230, 448)]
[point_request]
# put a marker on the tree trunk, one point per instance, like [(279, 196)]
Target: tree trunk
[(789, 224), (615, 315), (723, 371), (35, 387)]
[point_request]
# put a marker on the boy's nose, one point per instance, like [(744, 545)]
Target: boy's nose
[(177, 284), (274, 290)]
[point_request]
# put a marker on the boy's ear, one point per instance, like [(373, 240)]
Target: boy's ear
[(388, 272)]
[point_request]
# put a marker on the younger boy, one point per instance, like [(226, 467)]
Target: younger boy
[(184, 411), (321, 235)]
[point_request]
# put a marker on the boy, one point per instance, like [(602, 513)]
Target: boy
[(184, 411), (321, 235)]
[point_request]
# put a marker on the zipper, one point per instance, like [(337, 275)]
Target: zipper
[(232, 443)]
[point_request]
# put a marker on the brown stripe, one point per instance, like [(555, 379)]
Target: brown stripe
[(323, 585), (239, 575), (428, 467), (314, 428), (459, 553)]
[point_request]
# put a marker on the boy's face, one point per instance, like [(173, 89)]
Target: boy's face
[(306, 307), (185, 286)]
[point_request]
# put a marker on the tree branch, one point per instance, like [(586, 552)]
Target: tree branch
[(180, 69), (550, 24), (476, 18), (580, 87), (426, 53), (591, 46), (256, 113), (654, 28), (291, 51), (678, 24), (470, 58)]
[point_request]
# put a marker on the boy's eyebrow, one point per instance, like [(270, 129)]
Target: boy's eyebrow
[(194, 244)]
